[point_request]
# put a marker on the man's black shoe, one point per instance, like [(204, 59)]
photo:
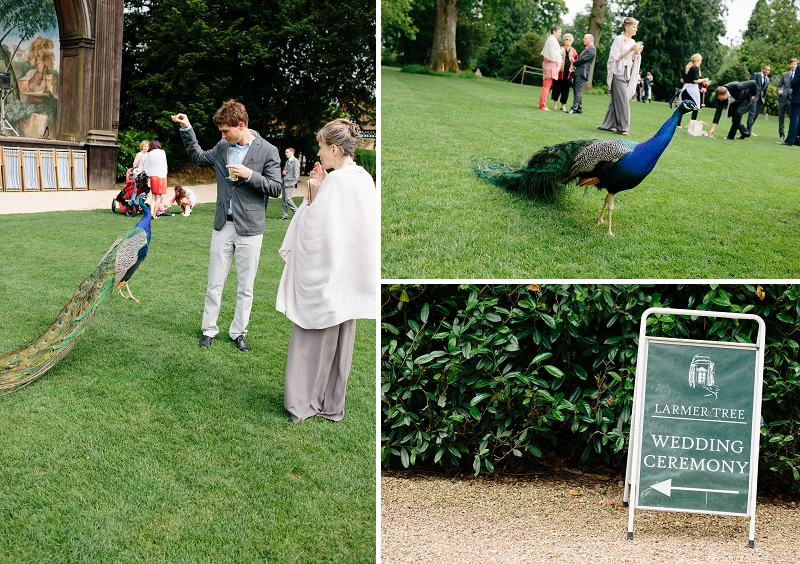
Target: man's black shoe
[(242, 344), (205, 342)]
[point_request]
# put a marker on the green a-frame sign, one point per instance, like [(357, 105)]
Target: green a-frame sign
[(695, 423)]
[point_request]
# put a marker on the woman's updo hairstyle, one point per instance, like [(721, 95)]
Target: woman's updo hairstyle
[(627, 22), (342, 133)]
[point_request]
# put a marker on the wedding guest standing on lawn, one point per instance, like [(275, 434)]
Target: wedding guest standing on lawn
[(155, 166), (563, 81), (623, 68), (580, 74), (793, 135), (248, 172), (550, 64), (291, 172), (330, 276), (785, 95), (691, 83)]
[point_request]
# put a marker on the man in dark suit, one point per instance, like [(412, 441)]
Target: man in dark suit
[(785, 95), (248, 173), (737, 96), (580, 72), (792, 137), (762, 84)]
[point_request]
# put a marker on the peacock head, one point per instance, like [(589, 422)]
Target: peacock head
[(687, 106)]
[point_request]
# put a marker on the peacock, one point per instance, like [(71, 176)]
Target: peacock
[(613, 164), (26, 363)]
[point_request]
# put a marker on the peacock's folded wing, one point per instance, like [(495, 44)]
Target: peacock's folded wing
[(597, 154), (28, 362)]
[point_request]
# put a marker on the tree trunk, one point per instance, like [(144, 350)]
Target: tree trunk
[(443, 51), (595, 29)]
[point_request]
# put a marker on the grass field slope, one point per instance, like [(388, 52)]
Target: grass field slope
[(711, 208), (142, 447)]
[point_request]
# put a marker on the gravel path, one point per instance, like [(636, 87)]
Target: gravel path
[(563, 520)]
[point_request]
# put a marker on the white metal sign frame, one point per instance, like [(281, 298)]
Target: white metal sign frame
[(633, 469)]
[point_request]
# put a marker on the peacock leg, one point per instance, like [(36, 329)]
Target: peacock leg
[(600, 219), (610, 199), (130, 294)]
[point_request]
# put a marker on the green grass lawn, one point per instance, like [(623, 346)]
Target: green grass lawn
[(140, 446), (710, 209)]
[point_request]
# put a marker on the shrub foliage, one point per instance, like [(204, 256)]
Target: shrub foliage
[(480, 375)]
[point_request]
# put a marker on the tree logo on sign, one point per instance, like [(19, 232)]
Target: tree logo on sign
[(701, 375)]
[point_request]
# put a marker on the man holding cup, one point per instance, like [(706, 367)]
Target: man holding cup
[(248, 174)]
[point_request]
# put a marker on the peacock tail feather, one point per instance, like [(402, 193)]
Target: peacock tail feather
[(25, 364), (543, 176)]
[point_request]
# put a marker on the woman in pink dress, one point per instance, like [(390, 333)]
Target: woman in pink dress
[(551, 62)]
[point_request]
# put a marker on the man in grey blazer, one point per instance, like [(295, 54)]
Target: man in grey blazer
[(291, 173), (785, 95), (580, 74), (248, 174)]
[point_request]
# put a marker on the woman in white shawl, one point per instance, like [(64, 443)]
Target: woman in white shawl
[(551, 62), (623, 68), (330, 276)]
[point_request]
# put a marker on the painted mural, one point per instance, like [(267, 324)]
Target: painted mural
[(29, 53)]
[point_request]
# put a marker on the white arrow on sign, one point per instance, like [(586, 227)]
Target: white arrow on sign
[(666, 488)]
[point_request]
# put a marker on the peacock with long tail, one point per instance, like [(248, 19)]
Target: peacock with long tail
[(28, 362), (613, 164)]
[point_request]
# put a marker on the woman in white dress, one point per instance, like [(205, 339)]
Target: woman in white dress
[(623, 69), (330, 276)]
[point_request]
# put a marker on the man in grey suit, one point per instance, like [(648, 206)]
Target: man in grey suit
[(762, 84), (248, 174), (291, 172), (580, 72), (785, 95)]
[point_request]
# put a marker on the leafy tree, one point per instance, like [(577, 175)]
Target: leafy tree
[(673, 30), (597, 18), (396, 18), (525, 51), (294, 64), (509, 21), (772, 35), (607, 29), (484, 31)]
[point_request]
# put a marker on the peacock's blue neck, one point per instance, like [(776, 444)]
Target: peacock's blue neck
[(144, 223), (648, 152)]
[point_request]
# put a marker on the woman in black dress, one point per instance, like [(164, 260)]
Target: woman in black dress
[(691, 82)]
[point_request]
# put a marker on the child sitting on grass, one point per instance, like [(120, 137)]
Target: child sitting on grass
[(185, 198)]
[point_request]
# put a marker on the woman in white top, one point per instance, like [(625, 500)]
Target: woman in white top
[(623, 68), (138, 161), (331, 250), (155, 166)]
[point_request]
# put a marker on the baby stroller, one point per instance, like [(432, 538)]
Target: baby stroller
[(136, 184)]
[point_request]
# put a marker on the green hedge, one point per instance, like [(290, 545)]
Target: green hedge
[(366, 158), (480, 375)]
